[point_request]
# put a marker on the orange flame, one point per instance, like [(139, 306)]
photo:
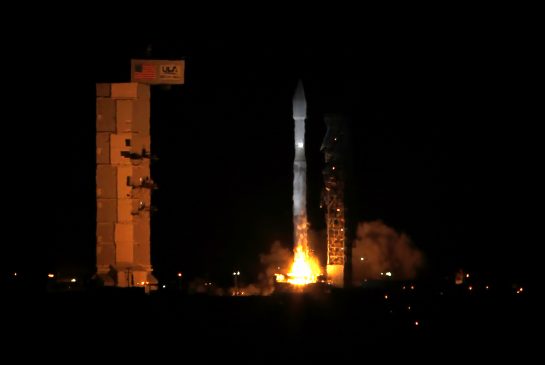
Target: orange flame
[(305, 268)]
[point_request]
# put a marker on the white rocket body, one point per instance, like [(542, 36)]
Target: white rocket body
[(300, 163)]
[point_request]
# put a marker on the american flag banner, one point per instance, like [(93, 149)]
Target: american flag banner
[(144, 71)]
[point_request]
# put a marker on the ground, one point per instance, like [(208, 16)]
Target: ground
[(342, 324)]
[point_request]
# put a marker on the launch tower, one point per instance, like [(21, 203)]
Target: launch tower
[(123, 185), (333, 198)]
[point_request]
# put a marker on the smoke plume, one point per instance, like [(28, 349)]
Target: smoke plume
[(380, 249), (277, 260)]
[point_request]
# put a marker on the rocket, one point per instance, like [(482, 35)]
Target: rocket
[(299, 116), (299, 164)]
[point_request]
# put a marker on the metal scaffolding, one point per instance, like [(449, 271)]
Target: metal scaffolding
[(333, 197)]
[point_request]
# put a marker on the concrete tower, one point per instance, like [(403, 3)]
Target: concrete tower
[(123, 185)]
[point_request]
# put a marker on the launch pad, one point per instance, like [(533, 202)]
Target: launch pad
[(124, 184), (306, 269)]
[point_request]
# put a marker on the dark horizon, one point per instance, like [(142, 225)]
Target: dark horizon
[(439, 150)]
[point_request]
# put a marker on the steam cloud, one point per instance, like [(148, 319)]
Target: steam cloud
[(383, 249), (277, 260)]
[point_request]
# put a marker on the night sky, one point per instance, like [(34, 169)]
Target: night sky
[(444, 146)]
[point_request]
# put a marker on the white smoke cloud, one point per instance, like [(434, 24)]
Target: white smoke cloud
[(383, 250), (277, 260)]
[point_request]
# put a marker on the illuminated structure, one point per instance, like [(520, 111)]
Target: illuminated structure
[(123, 185), (333, 198)]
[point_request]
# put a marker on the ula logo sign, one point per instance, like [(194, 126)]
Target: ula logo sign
[(169, 69)]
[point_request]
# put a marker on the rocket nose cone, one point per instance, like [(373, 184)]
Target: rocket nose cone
[(299, 102)]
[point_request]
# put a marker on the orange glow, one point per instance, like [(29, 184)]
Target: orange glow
[(305, 268), (179, 274), (386, 297), (412, 287), (50, 275), (280, 278)]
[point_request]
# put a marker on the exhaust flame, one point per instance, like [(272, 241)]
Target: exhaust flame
[(305, 268)]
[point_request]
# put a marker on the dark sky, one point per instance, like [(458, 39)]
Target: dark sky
[(444, 145)]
